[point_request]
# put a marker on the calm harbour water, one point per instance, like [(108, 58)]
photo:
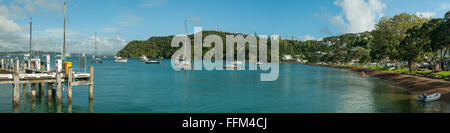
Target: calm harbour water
[(136, 87)]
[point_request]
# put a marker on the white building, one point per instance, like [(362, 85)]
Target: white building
[(286, 57)]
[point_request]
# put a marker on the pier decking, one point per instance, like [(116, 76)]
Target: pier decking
[(11, 72)]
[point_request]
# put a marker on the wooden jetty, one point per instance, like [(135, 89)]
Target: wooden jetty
[(33, 71), (12, 72)]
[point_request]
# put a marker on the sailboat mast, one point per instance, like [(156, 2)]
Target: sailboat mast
[(64, 42), (31, 27), (95, 45), (185, 39)]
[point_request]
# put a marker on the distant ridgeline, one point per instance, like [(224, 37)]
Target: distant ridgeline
[(159, 47)]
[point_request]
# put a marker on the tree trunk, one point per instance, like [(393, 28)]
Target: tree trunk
[(443, 58), (436, 67), (397, 65), (410, 63)]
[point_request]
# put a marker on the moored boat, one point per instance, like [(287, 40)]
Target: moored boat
[(425, 98), (230, 67), (120, 60), (97, 60), (143, 58), (153, 62)]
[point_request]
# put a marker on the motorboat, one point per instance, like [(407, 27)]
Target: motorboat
[(143, 58), (120, 60)]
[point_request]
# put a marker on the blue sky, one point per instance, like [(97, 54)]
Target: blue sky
[(120, 21)]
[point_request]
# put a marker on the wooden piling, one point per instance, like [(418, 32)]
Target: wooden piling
[(24, 67), (15, 68), (58, 88), (91, 83), (42, 103), (69, 86), (16, 108), (91, 106), (33, 91), (42, 85), (59, 108), (33, 105), (16, 95), (24, 91), (49, 91), (42, 89), (69, 108)]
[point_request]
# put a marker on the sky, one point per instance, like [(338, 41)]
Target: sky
[(118, 22)]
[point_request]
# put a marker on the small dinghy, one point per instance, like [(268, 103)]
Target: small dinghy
[(425, 98), (153, 62)]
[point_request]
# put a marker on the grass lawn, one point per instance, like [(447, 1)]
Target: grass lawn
[(405, 71)]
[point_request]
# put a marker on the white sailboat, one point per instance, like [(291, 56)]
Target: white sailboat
[(94, 58), (185, 63)]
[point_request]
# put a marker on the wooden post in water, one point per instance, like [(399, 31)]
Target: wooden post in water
[(49, 91), (16, 68), (58, 88), (24, 67), (69, 86), (42, 85), (16, 95), (91, 83), (91, 106), (50, 97), (25, 87), (33, 91), (3, 64)]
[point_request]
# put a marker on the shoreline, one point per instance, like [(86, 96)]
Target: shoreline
[(415, 84)]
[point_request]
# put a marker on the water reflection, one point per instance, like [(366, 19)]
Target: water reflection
[(135, 87)]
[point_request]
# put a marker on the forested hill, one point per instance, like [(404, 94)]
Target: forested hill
[(398, 39), (159, 47)]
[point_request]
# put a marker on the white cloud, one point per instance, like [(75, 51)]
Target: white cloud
[(152, 3), (426, 14), (15, 37), (445, 7), (305, 38), (128, 18), (358, 15), (110, 29), (196, 20), (8, 26)]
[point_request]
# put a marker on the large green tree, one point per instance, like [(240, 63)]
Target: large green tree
[(389, 33), (440, 42), (417, 45)]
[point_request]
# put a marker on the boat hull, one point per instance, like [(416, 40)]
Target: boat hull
[(430, 98)]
